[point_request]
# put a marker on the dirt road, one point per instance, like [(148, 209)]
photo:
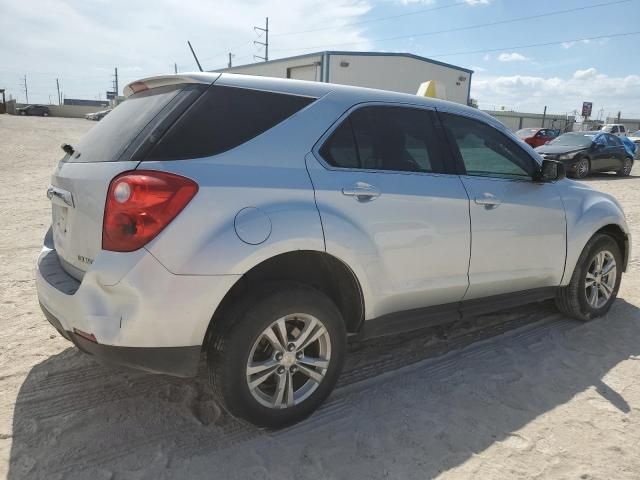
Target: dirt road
[(522, 394)]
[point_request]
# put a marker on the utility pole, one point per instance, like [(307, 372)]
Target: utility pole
[(115, 81), (619, 114), (25, 88), (175, 68), (58, 87), (544, 116), (230, 56), (265, 44)]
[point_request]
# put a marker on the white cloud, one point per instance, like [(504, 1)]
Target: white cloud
[(81, 42), (532, 93), (512, 57), (486, 57)]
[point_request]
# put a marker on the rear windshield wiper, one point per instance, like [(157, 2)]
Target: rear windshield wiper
[(68, 148)]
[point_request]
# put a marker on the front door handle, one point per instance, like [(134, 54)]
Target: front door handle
[(489, 200), (362, 191)]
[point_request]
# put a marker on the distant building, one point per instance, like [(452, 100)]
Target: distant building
[(86, 103), (398, 72)]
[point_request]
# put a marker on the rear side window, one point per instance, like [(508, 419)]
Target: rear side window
[(384, 138), (224, 118), (109, 138)]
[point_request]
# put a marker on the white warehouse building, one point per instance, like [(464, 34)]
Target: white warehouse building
[(399, 72)]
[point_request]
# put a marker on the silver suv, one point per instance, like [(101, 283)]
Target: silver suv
[(267, 222)]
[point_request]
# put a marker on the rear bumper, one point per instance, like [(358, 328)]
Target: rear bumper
[(141, 315), (177, 361)]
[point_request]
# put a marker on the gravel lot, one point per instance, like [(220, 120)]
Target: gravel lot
[(523, 394)]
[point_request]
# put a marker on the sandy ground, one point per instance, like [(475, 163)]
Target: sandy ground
[(523, 394)]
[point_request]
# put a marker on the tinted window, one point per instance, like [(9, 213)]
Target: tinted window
[(485, 151), (223, 118), (384, 138), (111, 136)]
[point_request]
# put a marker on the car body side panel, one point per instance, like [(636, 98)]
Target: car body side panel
[(267, 173), (409, 247), (587, 211)]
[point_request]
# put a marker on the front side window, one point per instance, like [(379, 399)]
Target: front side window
[(384, 138), (484, 151)]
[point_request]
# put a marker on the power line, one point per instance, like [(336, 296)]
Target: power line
[(459, 29), (372, 20), (532, 45)]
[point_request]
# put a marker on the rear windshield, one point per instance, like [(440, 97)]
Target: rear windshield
[(224, 118), (106, 141)]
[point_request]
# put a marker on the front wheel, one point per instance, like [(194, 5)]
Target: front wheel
[(627, 165), (595, 281), (278, 357), (582, 168)]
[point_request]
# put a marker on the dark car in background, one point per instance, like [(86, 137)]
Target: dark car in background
[(585, 152), (537, 136), (41, 110)]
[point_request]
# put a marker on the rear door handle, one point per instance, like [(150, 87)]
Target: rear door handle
[(489, 200), (362, 191)]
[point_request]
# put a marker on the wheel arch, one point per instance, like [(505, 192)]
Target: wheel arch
[(315, 268)]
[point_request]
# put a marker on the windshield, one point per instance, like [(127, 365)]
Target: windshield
[(572, 140), (635, 134), (526, 132)]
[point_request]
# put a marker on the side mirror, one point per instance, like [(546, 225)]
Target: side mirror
[(550, 171)]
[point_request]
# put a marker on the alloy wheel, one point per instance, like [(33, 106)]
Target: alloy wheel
[(583, 168), (288, 361), (600, 280)]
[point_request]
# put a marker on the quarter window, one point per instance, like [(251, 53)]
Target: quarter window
[(224, 118), (384, 138), (485, 151)]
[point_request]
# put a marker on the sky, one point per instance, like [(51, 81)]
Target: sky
[(525, 54)]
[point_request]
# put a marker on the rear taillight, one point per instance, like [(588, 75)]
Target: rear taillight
[(140, 204)]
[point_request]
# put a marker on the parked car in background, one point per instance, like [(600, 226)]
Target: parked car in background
[(635, 137), (41, 110), (585, 152), (537, 136), (616, 129), (97, 115), (266, 222)]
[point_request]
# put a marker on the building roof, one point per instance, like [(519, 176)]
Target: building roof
[(342, 52)]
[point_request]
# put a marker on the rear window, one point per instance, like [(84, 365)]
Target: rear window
[(224, 118), (109, 138)]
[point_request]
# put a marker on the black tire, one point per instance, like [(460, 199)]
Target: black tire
[(235, 335), (23, 113), (583, 168), (572, 299), (627, 165), (45, 114)]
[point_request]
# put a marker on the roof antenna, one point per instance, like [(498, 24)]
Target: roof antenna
[(194, 55)]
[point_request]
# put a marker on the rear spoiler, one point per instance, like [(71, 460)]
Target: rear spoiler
[(164, 80)]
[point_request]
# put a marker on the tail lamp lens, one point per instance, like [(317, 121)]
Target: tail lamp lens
[(140, 204)]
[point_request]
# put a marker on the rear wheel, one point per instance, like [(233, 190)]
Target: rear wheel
[(627, 165), (595, 281), (583, 167), (277, 358)]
